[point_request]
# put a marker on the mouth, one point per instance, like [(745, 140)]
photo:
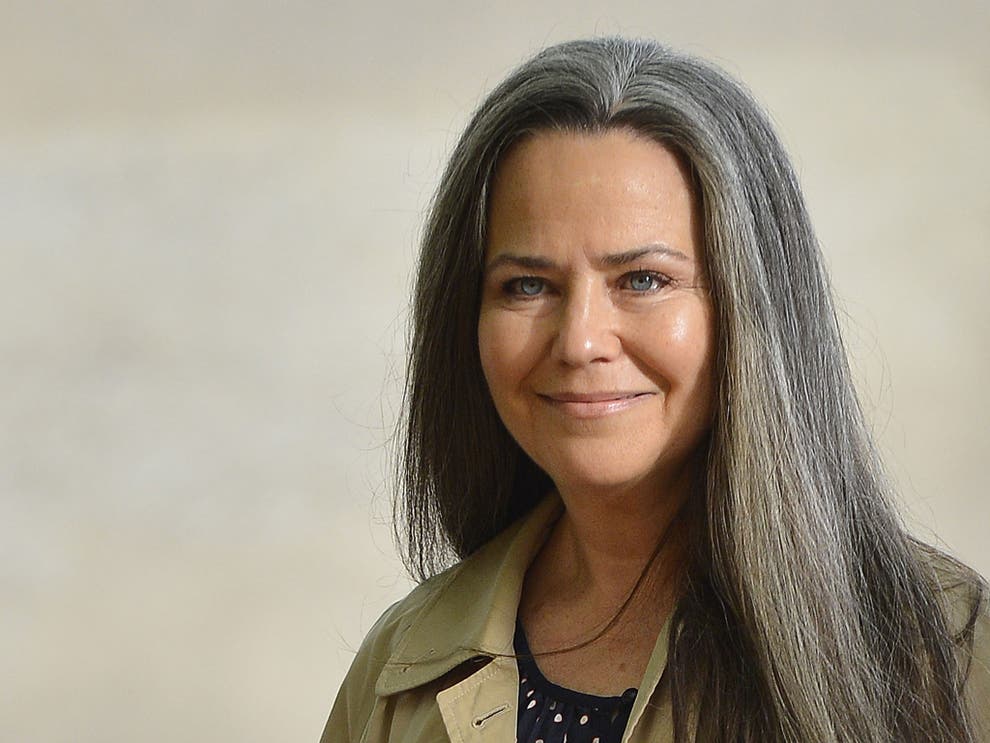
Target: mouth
[(594, 404)]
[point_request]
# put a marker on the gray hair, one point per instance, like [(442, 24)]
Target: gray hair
[(810, 614)]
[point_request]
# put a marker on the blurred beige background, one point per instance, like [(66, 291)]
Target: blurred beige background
[(208, 211)]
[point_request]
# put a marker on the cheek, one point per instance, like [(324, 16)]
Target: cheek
[(511, 346), (498, 350), (487, 341), (680, 346)]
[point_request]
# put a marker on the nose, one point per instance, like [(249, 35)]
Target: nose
[(586, 331)]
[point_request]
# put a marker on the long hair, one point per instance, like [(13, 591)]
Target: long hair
[(809, 613)]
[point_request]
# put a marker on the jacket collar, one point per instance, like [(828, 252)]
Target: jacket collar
[(471, 609)]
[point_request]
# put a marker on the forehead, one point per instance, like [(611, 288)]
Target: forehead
[(619, 146), (603, 192)]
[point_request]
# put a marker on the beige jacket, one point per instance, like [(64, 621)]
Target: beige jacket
[(427, 658)]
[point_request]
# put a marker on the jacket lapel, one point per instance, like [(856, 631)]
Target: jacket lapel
[(483, 706), (473, 611), (471, 616)]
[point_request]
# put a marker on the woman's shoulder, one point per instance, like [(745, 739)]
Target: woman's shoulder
[(437, 625), (977, 670), (355, 698), (962, 590), (466, 580), (964, 596), (389, 630), (970, 620)]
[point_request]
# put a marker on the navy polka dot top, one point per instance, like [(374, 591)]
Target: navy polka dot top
[(552, 714)]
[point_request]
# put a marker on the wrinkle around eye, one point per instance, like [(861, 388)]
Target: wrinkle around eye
[(511, 290), (516, 286), (659, 280)]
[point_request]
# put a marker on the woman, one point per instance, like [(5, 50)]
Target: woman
[(631, 420)]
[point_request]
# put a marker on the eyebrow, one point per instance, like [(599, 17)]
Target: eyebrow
[(631, 256), (611, 260)]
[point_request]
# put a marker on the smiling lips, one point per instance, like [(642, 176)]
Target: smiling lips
[(593, 404)]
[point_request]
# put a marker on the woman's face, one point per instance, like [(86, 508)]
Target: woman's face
[(596, 328)]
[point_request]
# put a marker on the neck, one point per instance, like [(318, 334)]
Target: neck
[(607, 539), (608, 575), (612, 564), (604, 542)]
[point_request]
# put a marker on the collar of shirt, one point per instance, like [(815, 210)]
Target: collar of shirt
[(471, 613)]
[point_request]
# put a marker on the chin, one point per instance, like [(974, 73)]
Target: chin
[(601, 479), (618, 472)]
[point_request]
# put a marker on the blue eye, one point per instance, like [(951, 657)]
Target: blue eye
[(645, 281), (527, 286)]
